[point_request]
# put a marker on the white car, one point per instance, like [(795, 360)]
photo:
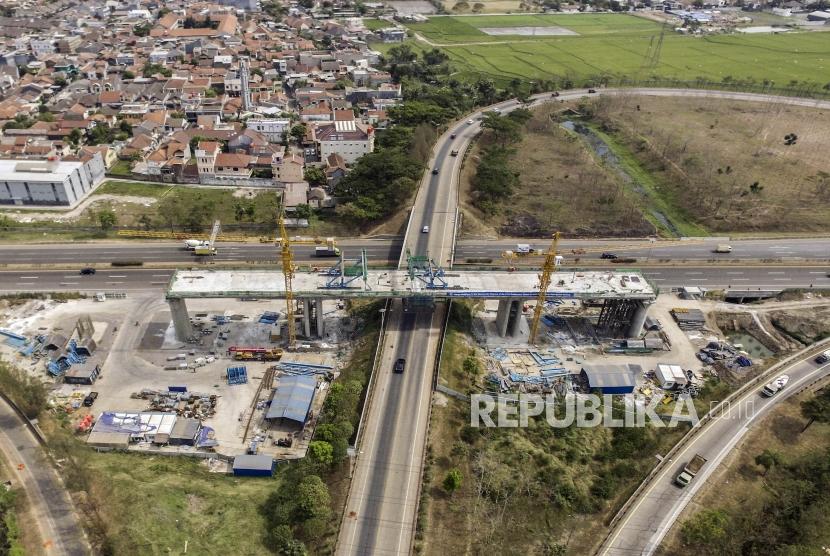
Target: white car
[(469, 122), (775, 386), (425, 230)]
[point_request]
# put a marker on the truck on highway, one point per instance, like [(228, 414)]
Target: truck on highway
[(204, 249), (191, 244), (723, 248), (690, 470), (327, 251), (524, 249)]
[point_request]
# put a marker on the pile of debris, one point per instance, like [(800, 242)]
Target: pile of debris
[(182, 403), (725, 354), (689, 319), (524, 369)]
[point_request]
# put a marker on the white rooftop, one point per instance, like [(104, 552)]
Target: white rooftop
[(36, 170), (397, 283)]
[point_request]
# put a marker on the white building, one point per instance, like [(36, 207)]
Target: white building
[(51, 182), (349, 139), (272, 129), (42, 47)]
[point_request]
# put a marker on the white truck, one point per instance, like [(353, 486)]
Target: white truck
[(723, 248), (524, 249), (690, 470), (191, 244), (328, 251)]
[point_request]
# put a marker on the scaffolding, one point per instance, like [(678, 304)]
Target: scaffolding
[(426, 270)]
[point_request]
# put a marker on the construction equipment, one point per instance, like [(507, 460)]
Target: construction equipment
[(208, 248), (288, 273), (255, 353), (551, 261)]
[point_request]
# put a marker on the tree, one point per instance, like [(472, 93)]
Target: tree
[(314, 175), (504, 130), (145, 222), (141, 30), (705, 528), (282, 540), (313, 498), (75, 136), (452, 481), (320, 453), (303, 211), (471, 365), (298, 131), (767, 459), (817, 408), (107, 219), (128, 74)]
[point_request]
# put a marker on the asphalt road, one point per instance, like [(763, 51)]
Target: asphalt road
[(49, 502), (382, 251), (132, 279), (648, 521)]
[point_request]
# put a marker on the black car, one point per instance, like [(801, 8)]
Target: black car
[(87, 271), (608, 256), (435, 171), (399, 365), (90, 399), (452, 136), (590, 91)]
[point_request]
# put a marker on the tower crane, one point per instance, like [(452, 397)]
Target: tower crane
[(288, 273), (551, 261)]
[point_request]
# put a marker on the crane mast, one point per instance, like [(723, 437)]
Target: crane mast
[(544, 282), (288, 273)]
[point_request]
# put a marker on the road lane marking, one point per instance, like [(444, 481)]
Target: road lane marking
[(115, 282), (29, 277), (736, 273), (68, 283), (690, 273), (25, 284), (776, 272), (162, 275), (117, 276)]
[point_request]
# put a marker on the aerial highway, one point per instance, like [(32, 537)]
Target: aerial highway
[(388, 250), (656, 508)]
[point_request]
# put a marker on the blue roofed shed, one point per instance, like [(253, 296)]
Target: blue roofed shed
[(248, 465), (292, 400), (611, 379)]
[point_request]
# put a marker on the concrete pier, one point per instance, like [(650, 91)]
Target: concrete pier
[(638, 320), (318, 315), (181, 320)]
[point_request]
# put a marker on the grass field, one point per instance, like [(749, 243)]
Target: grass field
[(616, 46)]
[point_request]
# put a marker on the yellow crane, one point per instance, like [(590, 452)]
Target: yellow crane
[(288, 272), (548, 268)]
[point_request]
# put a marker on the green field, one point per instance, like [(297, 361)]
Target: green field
[(616, 46)]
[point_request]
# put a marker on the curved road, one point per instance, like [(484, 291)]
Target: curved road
[(658, 506), (50, 505)]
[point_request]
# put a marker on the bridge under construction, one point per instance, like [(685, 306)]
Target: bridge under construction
[(625, 294)]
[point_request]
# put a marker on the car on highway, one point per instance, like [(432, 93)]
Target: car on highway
[(775, 386), (90, 399), (425, 230), (469, 122), (591, 91), (823, 357), (435, 171), (608, 256), (452, 135), (87, 271), (399, 365), (453, 153)]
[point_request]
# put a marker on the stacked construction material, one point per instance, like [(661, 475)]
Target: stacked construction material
[(688, 319), (297, 369), (237, 375), (269, 317)]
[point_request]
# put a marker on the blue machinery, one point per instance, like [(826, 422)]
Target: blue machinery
[(425, 269), (341, 275)]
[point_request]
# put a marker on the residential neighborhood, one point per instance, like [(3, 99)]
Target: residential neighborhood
[(190, 93)]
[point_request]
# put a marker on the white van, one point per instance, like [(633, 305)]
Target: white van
[(775, 386)]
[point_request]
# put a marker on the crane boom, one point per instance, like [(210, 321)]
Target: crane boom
[(544, 282), (288, 272)]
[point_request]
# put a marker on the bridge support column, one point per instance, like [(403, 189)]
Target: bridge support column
[(318, 315), (307, 317), (516, 309), (502, 316), (638, 319), (181, 320)]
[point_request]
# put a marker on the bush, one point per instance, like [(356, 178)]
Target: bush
[(27, 392)]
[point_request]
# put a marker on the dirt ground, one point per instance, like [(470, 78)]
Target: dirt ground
[(134, 357), (726, 164), (562, 187)]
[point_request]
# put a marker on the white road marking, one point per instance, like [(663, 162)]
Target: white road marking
[(68, 283), (117, 276), (25, 283), (29, 277), (735, 273)]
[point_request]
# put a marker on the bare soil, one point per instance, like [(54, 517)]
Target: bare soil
[(725, 163)]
